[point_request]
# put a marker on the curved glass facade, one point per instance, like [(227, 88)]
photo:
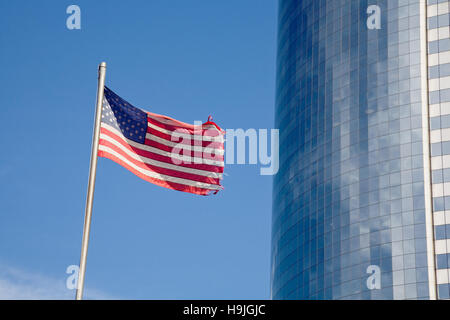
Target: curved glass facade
[(349, 196)]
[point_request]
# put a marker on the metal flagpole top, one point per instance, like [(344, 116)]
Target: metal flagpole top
[(102, 65)]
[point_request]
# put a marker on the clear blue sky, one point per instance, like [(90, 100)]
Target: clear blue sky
[(185, 59)]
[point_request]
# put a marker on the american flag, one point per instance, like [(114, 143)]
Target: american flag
[(162, 150)]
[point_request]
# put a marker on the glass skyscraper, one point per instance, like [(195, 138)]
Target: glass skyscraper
[(361, 203)]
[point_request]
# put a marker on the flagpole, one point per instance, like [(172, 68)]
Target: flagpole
[(91, 183)]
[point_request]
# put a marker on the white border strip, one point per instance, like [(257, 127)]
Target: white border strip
[(426, 152)]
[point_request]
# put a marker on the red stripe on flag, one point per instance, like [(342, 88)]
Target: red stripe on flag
[(184, 152), (160, 170), (168, 137), (205, 130), (155, 156), (162, 183)]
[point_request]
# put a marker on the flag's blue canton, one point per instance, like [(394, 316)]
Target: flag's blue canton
[(118, 113)]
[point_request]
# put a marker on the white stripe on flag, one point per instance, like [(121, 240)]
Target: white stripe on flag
[(172, 144), (160, 164), (181, 133), (158, 176), (174, 156)]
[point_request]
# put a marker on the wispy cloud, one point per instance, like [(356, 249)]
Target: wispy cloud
[(18, 284)]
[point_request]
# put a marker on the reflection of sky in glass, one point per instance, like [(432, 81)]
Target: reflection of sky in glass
[(349, 192)]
